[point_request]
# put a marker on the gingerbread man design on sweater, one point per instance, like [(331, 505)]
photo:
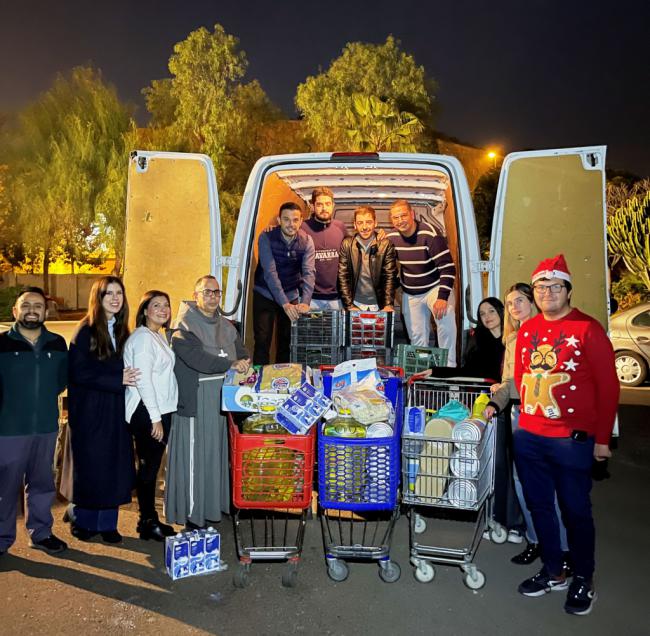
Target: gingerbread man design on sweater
[(541, 380)]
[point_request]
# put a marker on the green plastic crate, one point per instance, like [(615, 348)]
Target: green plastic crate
[(414, 359)]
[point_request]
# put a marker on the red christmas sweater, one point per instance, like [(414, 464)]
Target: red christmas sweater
[(566, 377)]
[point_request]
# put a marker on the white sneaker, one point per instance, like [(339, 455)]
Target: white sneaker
[(514, 537)]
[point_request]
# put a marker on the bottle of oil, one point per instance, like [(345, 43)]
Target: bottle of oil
[(263, 423), (344, 425)]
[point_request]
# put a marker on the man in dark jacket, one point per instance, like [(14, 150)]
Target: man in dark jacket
[(284, 283), (33, 371), (367, 266)]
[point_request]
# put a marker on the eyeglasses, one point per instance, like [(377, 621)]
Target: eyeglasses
[(555, 288), (208, 293)]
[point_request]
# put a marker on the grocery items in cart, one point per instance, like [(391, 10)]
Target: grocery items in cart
[(447, 464), (358, 477)]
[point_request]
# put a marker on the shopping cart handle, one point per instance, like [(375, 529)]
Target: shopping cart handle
[(423, 375)]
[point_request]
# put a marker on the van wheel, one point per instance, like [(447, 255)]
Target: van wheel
[(630, 368)]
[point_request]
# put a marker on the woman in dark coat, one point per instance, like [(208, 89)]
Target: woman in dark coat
[(99, 473)]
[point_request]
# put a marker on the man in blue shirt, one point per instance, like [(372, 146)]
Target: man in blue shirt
[(33, 371), (284, 283)]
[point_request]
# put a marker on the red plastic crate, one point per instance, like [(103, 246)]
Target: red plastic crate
[(271, 471)]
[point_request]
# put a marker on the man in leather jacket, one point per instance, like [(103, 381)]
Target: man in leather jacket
[(367, 275)]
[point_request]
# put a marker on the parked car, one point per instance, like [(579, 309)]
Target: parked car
[(630, 336)]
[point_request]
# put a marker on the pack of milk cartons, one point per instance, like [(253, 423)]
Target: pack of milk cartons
[(192, 553)]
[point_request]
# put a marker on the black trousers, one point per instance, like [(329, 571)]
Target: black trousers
[(149, 453), (266, 314)]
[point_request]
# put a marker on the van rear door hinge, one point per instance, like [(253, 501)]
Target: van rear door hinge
[(227, 261), (482, 266)]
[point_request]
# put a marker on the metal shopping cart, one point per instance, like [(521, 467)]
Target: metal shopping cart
[(447, 479), (271, 486), (358, 481)]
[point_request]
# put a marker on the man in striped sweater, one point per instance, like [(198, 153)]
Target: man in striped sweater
[(427, 275)]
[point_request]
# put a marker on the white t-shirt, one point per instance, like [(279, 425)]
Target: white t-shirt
[(149, 352)]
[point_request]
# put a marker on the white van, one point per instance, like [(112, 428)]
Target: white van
[(548, 202)]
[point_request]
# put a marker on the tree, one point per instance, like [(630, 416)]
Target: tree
[(484, 198), (379, 70), (205, 107), (60, 157), (379, 126), (628, 236)]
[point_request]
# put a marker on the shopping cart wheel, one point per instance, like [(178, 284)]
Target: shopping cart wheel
[(474, 580), (424, 572), (337, 570), (389, 571), (290, 575), (241, 577), (498, 534), (419, 524)]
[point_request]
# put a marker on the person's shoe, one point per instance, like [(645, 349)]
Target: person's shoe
[(111, 536), (514, 537), (154, 529), (542, 583), (51, 545), (81, 533), (581, 597), (531, 553)]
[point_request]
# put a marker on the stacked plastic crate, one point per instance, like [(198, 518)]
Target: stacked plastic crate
[(318, 337), (370, 335), (414, 359)]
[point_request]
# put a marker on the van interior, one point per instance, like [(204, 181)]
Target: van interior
[(429, 191)]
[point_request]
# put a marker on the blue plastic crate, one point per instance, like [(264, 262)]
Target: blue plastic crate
[(361, 474)]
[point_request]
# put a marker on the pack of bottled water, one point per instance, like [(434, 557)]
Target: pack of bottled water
[(192, 553)]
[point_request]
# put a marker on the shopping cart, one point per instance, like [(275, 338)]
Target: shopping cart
[(448, 479), (271, 489), (358, 481)]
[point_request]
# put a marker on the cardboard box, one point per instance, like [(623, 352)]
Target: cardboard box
[(248, 393)]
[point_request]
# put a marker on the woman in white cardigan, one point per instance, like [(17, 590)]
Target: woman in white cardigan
[(150, 403)]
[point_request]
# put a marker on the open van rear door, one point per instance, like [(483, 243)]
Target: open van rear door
[(550, 202), (173, 225)]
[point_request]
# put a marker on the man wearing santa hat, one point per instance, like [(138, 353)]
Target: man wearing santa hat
[(564, 366)]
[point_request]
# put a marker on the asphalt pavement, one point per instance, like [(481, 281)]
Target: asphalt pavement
[(98, 589)]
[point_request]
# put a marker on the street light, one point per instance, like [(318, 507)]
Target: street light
[(493, 156)]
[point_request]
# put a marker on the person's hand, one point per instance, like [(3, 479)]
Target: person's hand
[(388, 308), (302, 308), (130, 376), (381, 234), (602, 452), (489, 412), (241, 366), (157, 431), (291, 311), (439, 308), (494, 388)]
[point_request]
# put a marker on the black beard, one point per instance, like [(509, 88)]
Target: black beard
[(31, 324)]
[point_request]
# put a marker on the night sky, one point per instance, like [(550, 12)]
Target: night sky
[(524, 74)]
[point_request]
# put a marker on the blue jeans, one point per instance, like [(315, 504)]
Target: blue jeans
[(550, 465), (531, 535)]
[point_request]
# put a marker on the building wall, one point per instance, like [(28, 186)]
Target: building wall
[(71, 291)]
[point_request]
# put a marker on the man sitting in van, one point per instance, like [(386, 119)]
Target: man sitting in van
[(427, 275), (367, 266), (284, 283), (327, 234)]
